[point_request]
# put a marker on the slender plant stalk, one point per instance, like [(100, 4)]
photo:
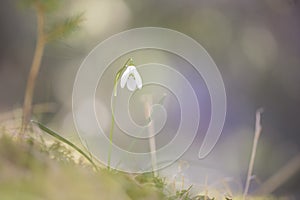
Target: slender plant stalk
[(57, 136), (35, 67), (258, 129), (58, 31), (161, 101), (205, 188), (152, 142), (111, 132)]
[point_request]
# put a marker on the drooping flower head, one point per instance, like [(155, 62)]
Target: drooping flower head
[(129, 77)]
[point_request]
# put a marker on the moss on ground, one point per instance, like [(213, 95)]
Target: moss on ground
[(27, 172), (32, 170)]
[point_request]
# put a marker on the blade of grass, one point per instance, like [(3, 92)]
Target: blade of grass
[(60, 138)]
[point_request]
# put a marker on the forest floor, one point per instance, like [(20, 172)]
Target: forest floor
[(39, 167)]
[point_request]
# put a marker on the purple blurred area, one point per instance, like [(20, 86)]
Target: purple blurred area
[(255, 44)]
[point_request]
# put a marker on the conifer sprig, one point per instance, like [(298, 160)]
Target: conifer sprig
[(62, 29)]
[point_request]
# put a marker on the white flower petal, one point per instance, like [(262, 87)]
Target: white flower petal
[(124, 79), (131, 83), (131, 68), (125, 76), (138, 79)]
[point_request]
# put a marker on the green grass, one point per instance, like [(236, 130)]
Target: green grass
[(35, 169), (28, 171)]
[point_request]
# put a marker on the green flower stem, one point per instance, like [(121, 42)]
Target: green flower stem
[(117, 78), (111, 132)]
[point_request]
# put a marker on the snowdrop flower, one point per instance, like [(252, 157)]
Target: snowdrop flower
[(131, 78)]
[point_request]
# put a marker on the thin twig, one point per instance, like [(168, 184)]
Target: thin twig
[(205, 188), (35, 68), (258, 129), (152, 142)]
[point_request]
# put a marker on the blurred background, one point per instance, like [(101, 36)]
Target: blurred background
[(255, 44)]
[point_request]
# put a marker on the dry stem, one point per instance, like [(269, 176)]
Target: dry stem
[(258, 129), (35, 67), (152, 143)]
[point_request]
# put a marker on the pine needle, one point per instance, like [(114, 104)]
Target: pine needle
[(64, 29)]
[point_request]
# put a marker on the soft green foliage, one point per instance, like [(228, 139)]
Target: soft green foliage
[(185, 195), (63, 29), (59, 152), (146, 182), (41, 168), (150, 178), (28, 173)]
